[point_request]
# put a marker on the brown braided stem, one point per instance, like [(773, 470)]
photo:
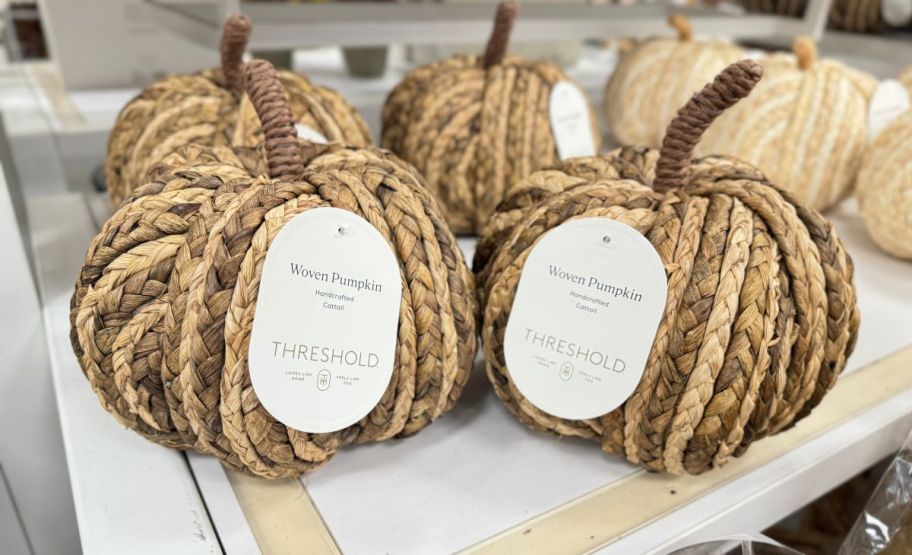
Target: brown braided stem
[(500, 35), (235, 35), (283, 153), (684, 132)]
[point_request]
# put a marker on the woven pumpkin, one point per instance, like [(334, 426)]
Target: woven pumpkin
[(857, 16), (760, 313), (209, 108), (805, 127), (885, 187), (475, 125), (656, 78), (164, 305)]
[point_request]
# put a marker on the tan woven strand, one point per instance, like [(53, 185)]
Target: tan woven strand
[(235, 35), (760, 315)]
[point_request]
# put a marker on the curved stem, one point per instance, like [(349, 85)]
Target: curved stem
[(684, 132), (283, 151), (235, 35), (682, 25), (500, 35)]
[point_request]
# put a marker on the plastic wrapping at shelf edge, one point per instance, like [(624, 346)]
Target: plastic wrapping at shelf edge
[(885, 525), (736, 545)]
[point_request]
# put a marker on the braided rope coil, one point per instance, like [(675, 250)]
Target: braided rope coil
[(885, 188), (760, 315), (209, 109)]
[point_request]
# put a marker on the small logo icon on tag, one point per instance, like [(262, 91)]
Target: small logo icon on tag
[(566, 371), (324, 377)]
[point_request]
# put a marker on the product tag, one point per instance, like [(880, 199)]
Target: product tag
[(587, 307), (570, 121), (310, 134), (323, 343), (889, 101), (897, 13)]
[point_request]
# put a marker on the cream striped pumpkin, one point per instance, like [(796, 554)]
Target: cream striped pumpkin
[(885, 187), (804, 126), (657, 77)]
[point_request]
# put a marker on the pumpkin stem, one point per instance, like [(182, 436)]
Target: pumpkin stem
[(500, 35), (283, 152), (235, 35), (684, 132), (682, 25), (806, 52)]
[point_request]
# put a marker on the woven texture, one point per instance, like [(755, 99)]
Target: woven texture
[(164, 305), (805, 127), (474, 131), (905, 77), (761, 311), (657, 77), (858, 16), (210, 109), (885, 188)]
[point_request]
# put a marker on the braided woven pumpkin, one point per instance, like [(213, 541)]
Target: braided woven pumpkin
[(805, 127), (885, 187), (760, 313), (857, 16), (656, 78), (164, 305), (209, 108), (475, 125)]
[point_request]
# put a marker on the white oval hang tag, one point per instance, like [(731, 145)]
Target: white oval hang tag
[(587, 307), (323, 343), (310, 134), (889, 101), (569, 113), (897, 13)]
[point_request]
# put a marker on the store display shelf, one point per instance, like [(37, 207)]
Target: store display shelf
[(287, 25), (477, 479)]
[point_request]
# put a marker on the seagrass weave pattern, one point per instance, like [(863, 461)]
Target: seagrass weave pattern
[(475, 125), (210, 109), (805, 127), (760, 314), (164, 305), (657, 77), (857, 16), (885, 187)]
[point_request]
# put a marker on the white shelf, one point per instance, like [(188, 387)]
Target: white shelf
[(476, 477)]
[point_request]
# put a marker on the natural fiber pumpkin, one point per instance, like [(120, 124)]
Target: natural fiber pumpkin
[(210, 109), (885, 187), (857, 16), (656, 78), (164, 305), (475, 125), (760, 313), (805, 127)]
